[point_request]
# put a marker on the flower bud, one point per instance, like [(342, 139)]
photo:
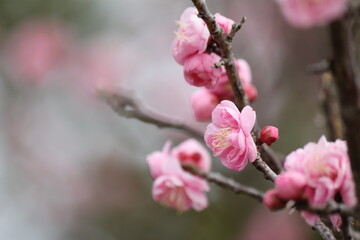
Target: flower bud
[(203, 103), (272, 201), (251, 92), (290, 185), (269, 135)]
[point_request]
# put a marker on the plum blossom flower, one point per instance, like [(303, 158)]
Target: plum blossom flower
[(174, 187), (191, 37), (203, 103), (191, 151), (229, 135), (317, 173), (309, 13), (199, 70), (223, 88)]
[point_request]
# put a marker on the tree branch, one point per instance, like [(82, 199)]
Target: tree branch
[(324, 231), (224, 42), (226, 183), (331, 107), (127, 106), (260, 165), (343, 68)]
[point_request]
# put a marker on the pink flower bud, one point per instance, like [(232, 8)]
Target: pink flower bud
[(290, 185), (199, 70), (203, 103), (269, 135), (272, 201), (251, 92)]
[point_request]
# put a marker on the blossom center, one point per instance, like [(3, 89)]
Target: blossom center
[(221, 140)]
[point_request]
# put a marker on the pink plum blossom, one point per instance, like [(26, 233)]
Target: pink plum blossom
[(326, 166), (191, 151), (199, 70), (156, 159), (317, 173), (191, 37), (224, 22), (203, 103), (273, 201), (173, 186), (223, 88), (251, 92), (309, 13), (229, 135), (290, 185)]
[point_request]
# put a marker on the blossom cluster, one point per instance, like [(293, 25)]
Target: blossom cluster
[(193, 48), (173, 187), (317, 173)]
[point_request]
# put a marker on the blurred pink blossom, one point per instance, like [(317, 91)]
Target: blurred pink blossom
[(191, 151), (264, 225), (191, 37), (178, 189), (203, 102), (199, 70), (224, 22), (229, 135), (36, 48), (98, 65), (317, 173), (309, 13)]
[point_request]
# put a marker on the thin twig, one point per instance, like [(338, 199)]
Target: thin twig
[(330, 208), (260, 165), (235, 28), (126, 105), (331, 107), (224, 182), (324, 231), (319, 68)]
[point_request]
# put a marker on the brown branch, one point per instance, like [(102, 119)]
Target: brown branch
[(331, 108), (226, 183), (343, 68), (346, 227), (260, 165), (330, 208), (127, 106), (324, 231), (235, 28)]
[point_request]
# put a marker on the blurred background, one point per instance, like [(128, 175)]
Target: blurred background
[(71, 169)]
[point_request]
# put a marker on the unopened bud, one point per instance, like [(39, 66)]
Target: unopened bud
[(269, 135), (251, 92), (272, 201)]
